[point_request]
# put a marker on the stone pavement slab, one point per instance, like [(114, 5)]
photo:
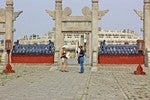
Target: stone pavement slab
[(47, 85), (118, 83), (108, 82)]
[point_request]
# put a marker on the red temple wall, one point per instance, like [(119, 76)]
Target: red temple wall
[(32, 59), (121, 59)]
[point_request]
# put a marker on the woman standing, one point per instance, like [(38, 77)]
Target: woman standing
[(63, 59)]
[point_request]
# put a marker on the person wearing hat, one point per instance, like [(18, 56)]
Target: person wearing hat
[(63, 59)]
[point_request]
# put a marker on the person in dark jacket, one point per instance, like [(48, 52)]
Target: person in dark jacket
[(81, 59)]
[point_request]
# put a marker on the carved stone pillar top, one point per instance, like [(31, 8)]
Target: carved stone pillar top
[(9, 3), (139, 13), (58, 5), (16, 14), (67, 12), (95, 1), (58, 1), (86, 11), (51, 13), (102, 13), (146, 1)]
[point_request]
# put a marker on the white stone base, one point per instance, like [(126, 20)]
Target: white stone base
[(56, 57), (94, 69), (53, 68), (95, 58), (4, 57), (147, 58)]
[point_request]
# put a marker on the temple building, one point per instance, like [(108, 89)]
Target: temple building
[(71, 40), (118, 36)]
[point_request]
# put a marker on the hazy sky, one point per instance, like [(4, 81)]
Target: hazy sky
[(34, 19)]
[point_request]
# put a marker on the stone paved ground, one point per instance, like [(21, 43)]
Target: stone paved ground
[(119, 83), (46, 82)]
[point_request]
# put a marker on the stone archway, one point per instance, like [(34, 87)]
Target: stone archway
[(87, 23)]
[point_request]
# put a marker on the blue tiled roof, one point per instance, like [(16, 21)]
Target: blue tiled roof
[(118, 49), (32, 49)]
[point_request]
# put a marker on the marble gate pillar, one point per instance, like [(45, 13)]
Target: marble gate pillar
[(9, 20), (146, 25), (96, 16), (58, 32), (8, 16), (57, 16), (94, 34), (8, 23), (145, 16)]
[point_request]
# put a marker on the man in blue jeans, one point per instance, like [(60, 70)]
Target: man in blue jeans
[(81, 59)]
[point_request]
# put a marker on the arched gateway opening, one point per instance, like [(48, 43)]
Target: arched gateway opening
[(86, 26)]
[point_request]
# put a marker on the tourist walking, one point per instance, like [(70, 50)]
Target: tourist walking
[(81, 59), (63, 60)]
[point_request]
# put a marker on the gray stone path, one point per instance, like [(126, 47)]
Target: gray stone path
[(109, 82), (118, 83)]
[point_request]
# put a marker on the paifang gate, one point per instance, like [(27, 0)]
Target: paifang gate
[(88, 23)]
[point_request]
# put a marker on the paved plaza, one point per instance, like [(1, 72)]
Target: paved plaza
[(46, 82)]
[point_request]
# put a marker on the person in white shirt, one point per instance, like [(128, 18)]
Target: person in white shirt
[(63, 59)]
